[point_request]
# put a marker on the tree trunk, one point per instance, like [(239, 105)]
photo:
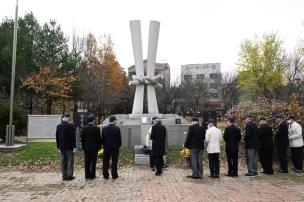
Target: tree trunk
[(49, 104)]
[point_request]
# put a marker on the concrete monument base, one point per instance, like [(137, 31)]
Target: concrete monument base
[(16, 147), (134, 129)]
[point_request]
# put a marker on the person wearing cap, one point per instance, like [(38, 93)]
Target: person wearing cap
[(213, 141), (66, 144), (111, 141), (281, 142), (232, 138), (91, 143), (251, 145), (149, 143), (158, 137), (266, 146), (295, 144), (195, 142)]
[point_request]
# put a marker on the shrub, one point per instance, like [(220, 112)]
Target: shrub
[(19, 119)]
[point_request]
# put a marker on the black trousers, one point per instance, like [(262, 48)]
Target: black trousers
[(151, 159), (265, 155), (282, 157), (232, 159), (113, 154), (214, 164), (158, 162), (296, 157), (90, 159)]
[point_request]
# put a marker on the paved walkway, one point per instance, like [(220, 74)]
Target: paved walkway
[(140, 184)]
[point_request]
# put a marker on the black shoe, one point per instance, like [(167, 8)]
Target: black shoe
[(211, 176), (282, 171), (64, 178), (93, 177), (158, 173), (153, 169), (256, 173), (250, 174), (235, 175), (70, 178), (298, 171), (217, 176), (193, 177), (106, 177), (229, 175), (114, 177)]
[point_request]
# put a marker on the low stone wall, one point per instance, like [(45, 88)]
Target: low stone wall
[(136, 134)]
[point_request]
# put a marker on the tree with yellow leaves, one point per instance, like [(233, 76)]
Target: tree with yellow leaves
[(48, 86)]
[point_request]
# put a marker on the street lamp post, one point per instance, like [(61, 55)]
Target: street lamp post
[(10, 129)]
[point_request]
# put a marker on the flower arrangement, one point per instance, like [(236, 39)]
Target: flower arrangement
[(185, 153), (100, 153)]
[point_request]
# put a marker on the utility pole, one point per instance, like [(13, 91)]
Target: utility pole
[(10, 129)]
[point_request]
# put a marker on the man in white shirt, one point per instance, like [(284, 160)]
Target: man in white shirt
[(213, 141), (295, 143)]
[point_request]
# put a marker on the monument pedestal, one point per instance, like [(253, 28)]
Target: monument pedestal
[(16, 147)]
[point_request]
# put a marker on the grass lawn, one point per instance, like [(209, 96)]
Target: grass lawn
[(44, 155)]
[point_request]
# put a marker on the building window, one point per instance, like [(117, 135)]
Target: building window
[(213, 85), (200, 76), (187, 77), (213, 76)]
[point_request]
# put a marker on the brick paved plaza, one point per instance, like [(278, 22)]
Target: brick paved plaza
[(140, 184)]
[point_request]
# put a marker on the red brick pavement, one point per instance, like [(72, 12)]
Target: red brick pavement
[(140, 184)]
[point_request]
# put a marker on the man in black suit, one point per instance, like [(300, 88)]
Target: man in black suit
[(66, 144), (91, 143), (266, 146), (282, 141), (158, 137), (251, 145), (111, 141), (195, 142), (232, 137)]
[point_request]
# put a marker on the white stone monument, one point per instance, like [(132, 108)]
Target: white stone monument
[(140, 80)]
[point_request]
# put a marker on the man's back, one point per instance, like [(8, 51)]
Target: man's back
[(91, 138), (232, 137), (111, 136), (158, 137), (213, 137), (251, 136), (195, 138), (65, 136), (265, 136), (281, 136)]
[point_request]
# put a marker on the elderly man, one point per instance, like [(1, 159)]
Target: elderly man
[(91, 143), (158, 137), (232, 137), (282, 141), (213, 141), (66, 144), (295, 143), (251, 145), (111, 141), (195, 142), (149, 143), (266, 146)]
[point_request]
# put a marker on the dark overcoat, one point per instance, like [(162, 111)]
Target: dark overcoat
[(158, 137)]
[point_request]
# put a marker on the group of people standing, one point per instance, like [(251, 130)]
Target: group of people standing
[(259, 144), (92, 141)]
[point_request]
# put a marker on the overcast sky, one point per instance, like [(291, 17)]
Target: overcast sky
[(192, 31)]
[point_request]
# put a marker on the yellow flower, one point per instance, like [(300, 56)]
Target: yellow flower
[(185, 153), (100, 153)]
